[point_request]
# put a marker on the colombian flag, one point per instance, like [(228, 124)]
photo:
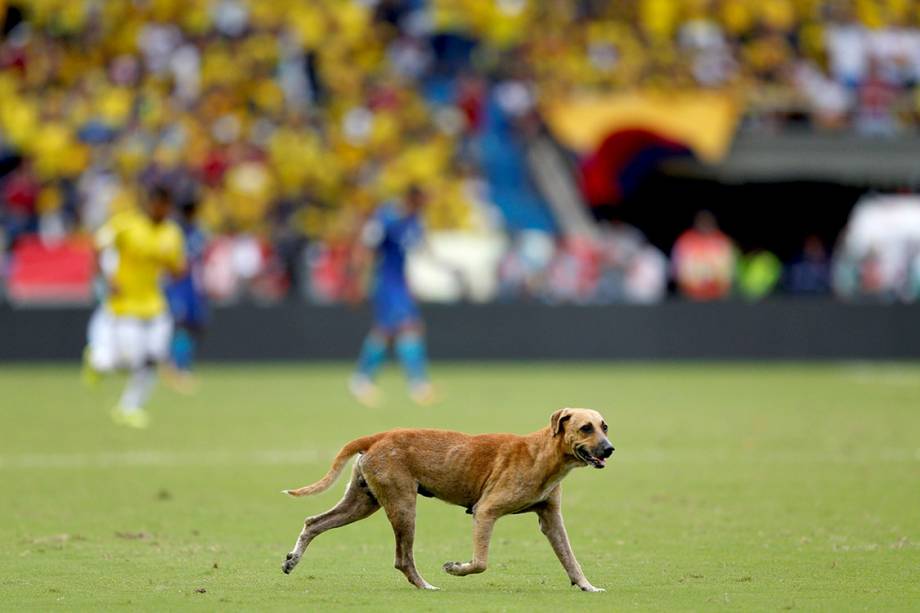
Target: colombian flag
[(622, 137)]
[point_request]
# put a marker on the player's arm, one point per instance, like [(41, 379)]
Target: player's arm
[(361, 256), (172, 256), (102, 284), (106, 240)]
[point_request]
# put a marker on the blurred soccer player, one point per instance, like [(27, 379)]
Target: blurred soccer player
[(390, 233), (187, 301), (133, 328)]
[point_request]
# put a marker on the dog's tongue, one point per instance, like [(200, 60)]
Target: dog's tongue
[(600, 462)]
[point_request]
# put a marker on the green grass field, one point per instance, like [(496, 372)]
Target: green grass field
[(734, 487)]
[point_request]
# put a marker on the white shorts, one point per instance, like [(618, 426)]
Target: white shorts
[(127, 342)]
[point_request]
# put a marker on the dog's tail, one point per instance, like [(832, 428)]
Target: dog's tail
[(358, 445)]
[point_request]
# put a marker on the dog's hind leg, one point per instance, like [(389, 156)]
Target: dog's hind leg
[(357, 503), (398, 496), (402, 518)]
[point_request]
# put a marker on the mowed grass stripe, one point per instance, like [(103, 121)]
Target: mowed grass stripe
[(269, 457)]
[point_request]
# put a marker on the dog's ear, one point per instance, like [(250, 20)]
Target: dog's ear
[(557, 421)]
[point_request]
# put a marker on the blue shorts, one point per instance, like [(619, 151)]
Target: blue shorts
[(394, 308), (188, 307)]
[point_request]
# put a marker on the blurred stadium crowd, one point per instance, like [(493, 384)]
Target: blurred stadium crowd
[(289, 121)]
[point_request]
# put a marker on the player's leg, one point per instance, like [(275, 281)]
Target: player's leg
[(177, 369), (130, 340), (158, 337), (99, 355), (373, 351), (195, 324), (372, 356), (148, 349), (182, 349), (188, 311), (412, 353)]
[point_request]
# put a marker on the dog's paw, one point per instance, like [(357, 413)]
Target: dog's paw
[(289, 563), (590, 588), (452, 568)]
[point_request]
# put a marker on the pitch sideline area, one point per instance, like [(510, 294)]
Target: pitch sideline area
[(737, 487)]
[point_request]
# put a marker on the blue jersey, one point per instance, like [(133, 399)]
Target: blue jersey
[(392, 233), (186, 294)]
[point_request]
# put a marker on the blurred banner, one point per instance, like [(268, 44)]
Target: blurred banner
[(703, 121)]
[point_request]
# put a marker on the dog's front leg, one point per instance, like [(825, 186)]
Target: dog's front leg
[(484, 521), (553, 527)]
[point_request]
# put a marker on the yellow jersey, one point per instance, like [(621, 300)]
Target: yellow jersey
[(145, 250)]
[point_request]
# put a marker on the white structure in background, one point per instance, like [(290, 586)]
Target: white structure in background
[(646, 279), (459, 266), (232, 262), (883, 233)]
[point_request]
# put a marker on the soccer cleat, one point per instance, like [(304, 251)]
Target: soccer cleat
[(138, 418), (90, 376), (424, 394), (364, 391)]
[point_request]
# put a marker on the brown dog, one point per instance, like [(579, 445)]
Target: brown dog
[(490, 474)]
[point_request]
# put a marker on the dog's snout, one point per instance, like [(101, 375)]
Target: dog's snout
[(607, 450)]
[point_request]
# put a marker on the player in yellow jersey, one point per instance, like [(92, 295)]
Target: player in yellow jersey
[(132, 329)]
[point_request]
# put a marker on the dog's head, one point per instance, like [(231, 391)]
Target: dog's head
[(582, 434)]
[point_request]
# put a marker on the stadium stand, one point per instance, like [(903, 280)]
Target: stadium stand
[(297, 118)]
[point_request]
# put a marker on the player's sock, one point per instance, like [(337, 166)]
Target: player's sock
[(410, 348), (373, 354), (182, 349), (137, 392)]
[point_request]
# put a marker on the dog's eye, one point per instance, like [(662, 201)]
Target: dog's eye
[(604, 427), (587, 428)]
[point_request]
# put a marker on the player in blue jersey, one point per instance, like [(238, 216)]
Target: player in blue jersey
[(391, 232), (187, 300)]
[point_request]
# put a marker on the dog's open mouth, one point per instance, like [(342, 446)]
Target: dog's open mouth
[(585, 456)]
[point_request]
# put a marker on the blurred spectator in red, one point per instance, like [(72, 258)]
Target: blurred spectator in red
[(19, 196), (810, 273), (471, 101), (241, 264), (330, 277), (704, 260), (877, 99), (632, 270), (471, 93), (573, 275)]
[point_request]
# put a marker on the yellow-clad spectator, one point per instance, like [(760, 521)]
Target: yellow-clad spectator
[(313, 103), (249, 189), (658, 18)]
